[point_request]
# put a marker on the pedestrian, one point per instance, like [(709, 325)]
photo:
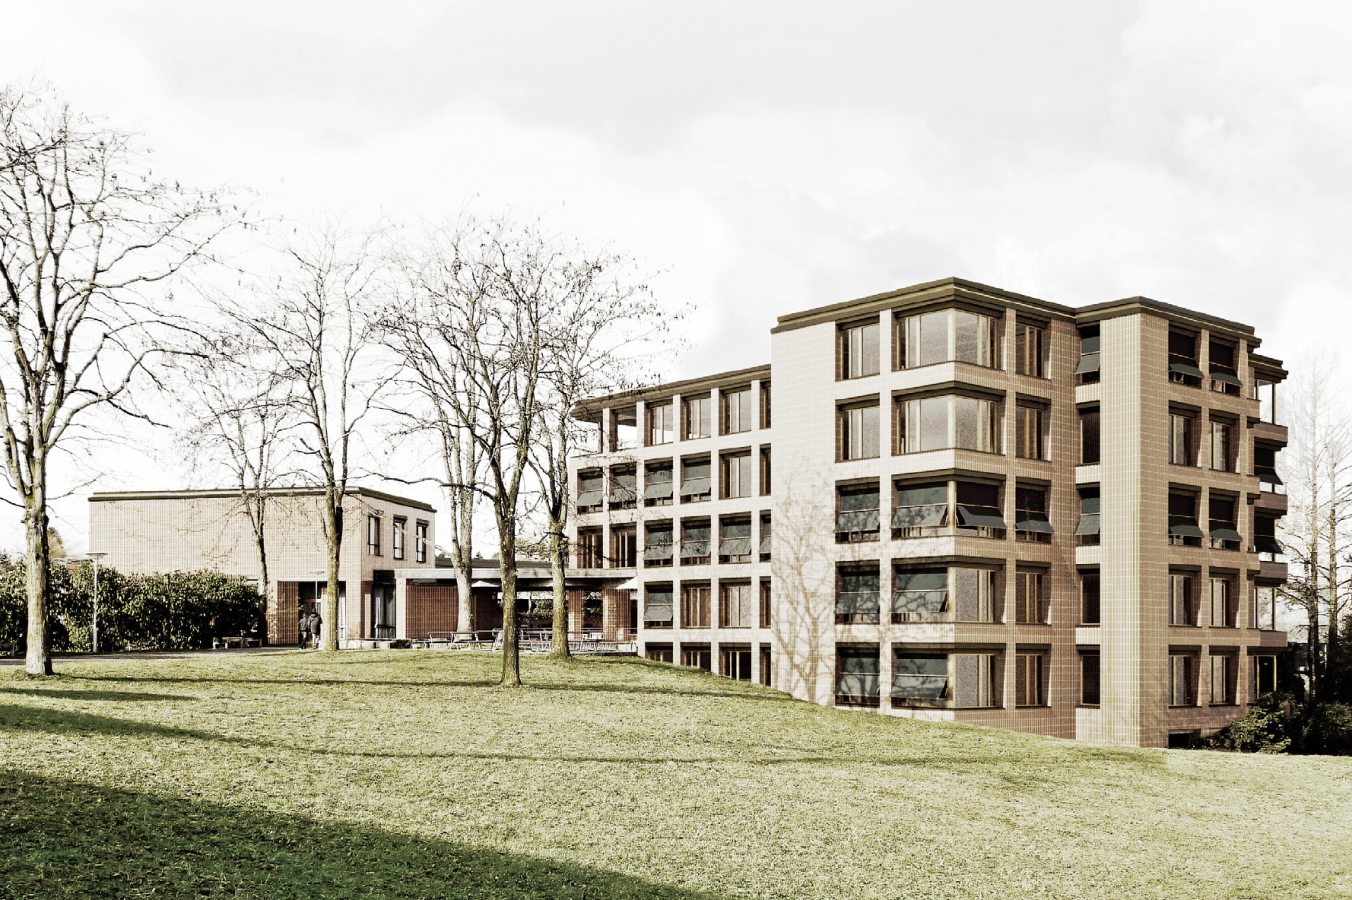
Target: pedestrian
[(316, 625), (302, 628)]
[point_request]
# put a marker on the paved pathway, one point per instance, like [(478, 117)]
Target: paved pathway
[(146, 654)]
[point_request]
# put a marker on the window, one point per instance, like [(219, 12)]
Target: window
[(1182, 450), (857, 676), (695, 480), (1030, 515), (1029, 422), (1090, 694), (1182, 609), (1090, 612), (1265, 467), (590, 491), (929, 594), (736, 475), (1221, 446), (1088, 369), (658, 490), (859, 350), (1222, 603), (858, 431), (697, 657), (765, 471), (696, 411), (660, 423), (974, 680), (972, 594), (623, 488), (695, 606), (1028, 340), (1222, 524), (857, 513), (1264, 608), (623, 548), (857, 596), (948, 335), (945, 422), (1029, 669), (695, 543), (1183, 530), (735, 607), (1224, 379), (1264, 676), (978, 510), (1223, 670), (1183, 359), (657, 607), (919, 679), (657, 545), (765, 404), (399, 537), (921, 510), (589, 549), (1089, 437), (420, 542), (765, 595), (1265, 537), (734, 543), (735, 663), (1030, 599), (373, 535), (1087, 532), (1265, 392), (765, 537), (1181, 674), (736, 411)]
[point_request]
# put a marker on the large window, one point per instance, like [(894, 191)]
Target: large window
[(765, 537), (590, 553), (1030, 514), (919, 679), (1088, 369), (659, 489), (765, 471), (661, 423), (1029, 671), (1183, 529), (658, 545), (737, 477), (736, 411), (1221, 525), (1090, 692), (734, 543), (1223, 671), (1089, 528), (921, 510), (1265, 392), (1222, 446), (623, 547), (948, 335), (1089, 436), (695, 543), (1265, 537), (698, 415), (1182, 605), (1182, 446), (974, 680), (1090, 604), (623, 488), (857, 596), (1264, 608), (857, 513), (766, 598), (1030, 423), (858, 431), (1224, 378), (657, 607), (1264, 676), (1222, 603), (859, 350), (399, 538), (765, 404), (1183, 359), (695, 606), (1030, 598), (943, 594), (1265, 467), (857, 676), (944, 422), (591, 491), (373, 535), (1182, 680), (696, 483), (979, 510), (420, 542), (736, 606), (1028, 347)]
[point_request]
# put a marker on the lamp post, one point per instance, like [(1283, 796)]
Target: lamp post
[(96, 557)]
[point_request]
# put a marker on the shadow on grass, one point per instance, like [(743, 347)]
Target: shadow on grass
[(114, 696), (69, 839)]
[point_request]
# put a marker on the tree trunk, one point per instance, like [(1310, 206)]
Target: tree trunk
[(558, 561), (38, 662), (329, 630), (464, 597), (264, 586), (511, 650)]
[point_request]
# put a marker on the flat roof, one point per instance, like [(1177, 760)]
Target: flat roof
[(588, 409), (106, 496)]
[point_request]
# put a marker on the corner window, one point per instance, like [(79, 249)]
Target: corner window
[(946, 422), (859, 350), (947, 335), (978, 510), (921, 510), (919, 679)]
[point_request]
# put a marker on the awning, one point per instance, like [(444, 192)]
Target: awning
[(657, 612), (693, 486), (694, 549), (921, 687), (657, 490), (1267, 474), (589, 498), (1186, 529), (857, 684), (735, 547), (917, 601), (980, 517), (1225, 534), (857, 520), (1186, 369), (657, 551), (857, 603), (930, 516), (1089, 362), (1264, 543), (1225, 377), (1034, 524), (1089, 524)]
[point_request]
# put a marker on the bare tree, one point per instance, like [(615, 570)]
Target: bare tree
[(240, 427), (90, 240), (600, 327), (313, 330)]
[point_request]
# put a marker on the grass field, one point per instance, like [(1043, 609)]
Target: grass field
[(405, 774)]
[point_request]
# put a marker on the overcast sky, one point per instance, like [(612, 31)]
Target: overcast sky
[(770, 157)]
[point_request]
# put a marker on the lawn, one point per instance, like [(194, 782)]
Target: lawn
[(406, 774)]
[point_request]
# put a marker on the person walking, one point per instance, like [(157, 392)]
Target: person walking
[(302, 628), (316, 626)]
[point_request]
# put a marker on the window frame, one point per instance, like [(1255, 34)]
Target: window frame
[(420, 530), (399, 537), (373, 534), (854, 340), (743, 410)]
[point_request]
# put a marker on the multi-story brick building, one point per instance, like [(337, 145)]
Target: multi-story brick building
[(384, 535), (985, 508)]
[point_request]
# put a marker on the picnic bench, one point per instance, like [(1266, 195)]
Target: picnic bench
[(237, 640)]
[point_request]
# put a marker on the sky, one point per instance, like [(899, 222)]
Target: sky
[(762, 158)]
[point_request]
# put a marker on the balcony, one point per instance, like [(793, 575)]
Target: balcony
[(1272, 502), (1269, 431), (1275, 571)]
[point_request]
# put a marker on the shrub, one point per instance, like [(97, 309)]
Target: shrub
[(1276, 724)]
